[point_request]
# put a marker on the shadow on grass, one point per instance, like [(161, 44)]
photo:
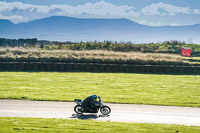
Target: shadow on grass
[(194, 60), (86, 116)]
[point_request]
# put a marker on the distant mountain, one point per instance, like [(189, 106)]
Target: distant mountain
[(76, 29)]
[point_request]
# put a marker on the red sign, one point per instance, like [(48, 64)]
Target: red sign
[(186, 51)]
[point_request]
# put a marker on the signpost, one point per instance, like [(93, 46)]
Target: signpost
[(186, 52)]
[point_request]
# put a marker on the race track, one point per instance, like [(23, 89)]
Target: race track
[(120, 112)]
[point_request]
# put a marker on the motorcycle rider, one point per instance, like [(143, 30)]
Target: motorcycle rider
[(89, 102)]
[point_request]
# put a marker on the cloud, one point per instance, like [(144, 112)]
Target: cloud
[(14, 18), (175, 24), (196, 11), (142, 22), (20, 12), (105, 8), (20, 7), (102, 9), (165, 9)]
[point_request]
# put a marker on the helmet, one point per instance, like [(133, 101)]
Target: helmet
[(94, 97)]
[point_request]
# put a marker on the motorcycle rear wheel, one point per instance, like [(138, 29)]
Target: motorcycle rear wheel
[(105, 110), (78, 109)]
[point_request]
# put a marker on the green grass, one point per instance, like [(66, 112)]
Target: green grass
[(29, 125), (178, 90), (193, 60)]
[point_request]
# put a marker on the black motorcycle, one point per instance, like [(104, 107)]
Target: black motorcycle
[(105, 110)]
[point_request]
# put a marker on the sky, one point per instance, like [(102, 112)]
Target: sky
[(147, 12)]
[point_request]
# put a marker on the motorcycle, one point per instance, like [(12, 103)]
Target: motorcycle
[(105, 110)]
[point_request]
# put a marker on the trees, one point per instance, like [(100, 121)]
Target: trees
[(18, 42)]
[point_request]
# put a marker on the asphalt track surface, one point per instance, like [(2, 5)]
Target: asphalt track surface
[(120, 112)]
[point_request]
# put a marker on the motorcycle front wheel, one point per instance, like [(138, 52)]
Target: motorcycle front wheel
[(105, 110), (78, 109)]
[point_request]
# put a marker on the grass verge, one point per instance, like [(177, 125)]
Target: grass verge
[(63, 125), (93, 56), (175, 90)]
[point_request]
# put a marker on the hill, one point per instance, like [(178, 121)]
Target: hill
[(62, 28)]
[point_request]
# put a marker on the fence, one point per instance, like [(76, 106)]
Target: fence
[(95, 67)]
